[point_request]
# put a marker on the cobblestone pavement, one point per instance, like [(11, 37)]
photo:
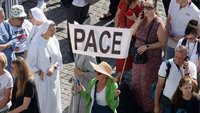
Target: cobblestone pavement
[(56, 12)]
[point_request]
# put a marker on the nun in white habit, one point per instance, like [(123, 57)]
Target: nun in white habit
[(45, 60), (37, 18), (84, 73)]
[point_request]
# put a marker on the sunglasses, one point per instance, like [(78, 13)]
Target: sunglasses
[(21, 19), (98, 73), (148, 7), (191, 38)]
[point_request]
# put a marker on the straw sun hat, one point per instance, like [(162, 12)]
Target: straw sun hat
[(103, 68)]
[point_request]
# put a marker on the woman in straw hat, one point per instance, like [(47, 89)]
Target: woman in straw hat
[(103, 93)]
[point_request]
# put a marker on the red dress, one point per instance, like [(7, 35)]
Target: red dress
[(144, 75), (121, 17)]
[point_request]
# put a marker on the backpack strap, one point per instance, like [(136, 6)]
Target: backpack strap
[(198, 47), (167, 71), (184, 41), (7, 27)]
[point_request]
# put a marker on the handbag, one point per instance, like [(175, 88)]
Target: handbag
[(139, 58), (142, 58)]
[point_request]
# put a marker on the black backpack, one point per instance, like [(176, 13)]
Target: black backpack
[(153, 89), (197, 3), (198, 45)]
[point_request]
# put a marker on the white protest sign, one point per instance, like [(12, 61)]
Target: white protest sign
[(100, 41)]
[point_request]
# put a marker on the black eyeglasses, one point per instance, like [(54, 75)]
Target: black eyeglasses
[(148, 7)]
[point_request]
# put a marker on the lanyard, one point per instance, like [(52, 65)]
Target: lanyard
[(190, 54), (35, 32)]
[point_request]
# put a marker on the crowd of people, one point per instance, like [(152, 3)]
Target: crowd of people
[(31, 60), (30, 63), (177, 37)]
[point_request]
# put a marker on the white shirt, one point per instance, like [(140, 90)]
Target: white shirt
[(79, 3), (175, 75), (22, 34), (6, 81), (100, 97), (180, 19), (192, 48)]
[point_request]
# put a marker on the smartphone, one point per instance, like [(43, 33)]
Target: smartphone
[(186, 60), (142, 15), (78, 82)]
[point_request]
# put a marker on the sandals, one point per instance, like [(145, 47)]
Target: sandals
[(105, 17)]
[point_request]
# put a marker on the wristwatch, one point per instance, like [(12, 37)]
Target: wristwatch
[(147, 46), (55, 67)]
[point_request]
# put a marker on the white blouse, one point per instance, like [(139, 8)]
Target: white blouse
[(100, 97)]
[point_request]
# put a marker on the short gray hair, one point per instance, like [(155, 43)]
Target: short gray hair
[(182, 49)]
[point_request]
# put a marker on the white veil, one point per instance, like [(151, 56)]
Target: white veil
[(38, 14), (43, 29)]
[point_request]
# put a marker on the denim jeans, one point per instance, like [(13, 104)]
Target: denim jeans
[(6, 111), (169, 53)]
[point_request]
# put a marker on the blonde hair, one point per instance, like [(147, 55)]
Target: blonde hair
[(23, 74), (3, 59)]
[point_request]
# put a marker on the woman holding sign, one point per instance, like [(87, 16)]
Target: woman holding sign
[(150, 33), (102, 94)]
